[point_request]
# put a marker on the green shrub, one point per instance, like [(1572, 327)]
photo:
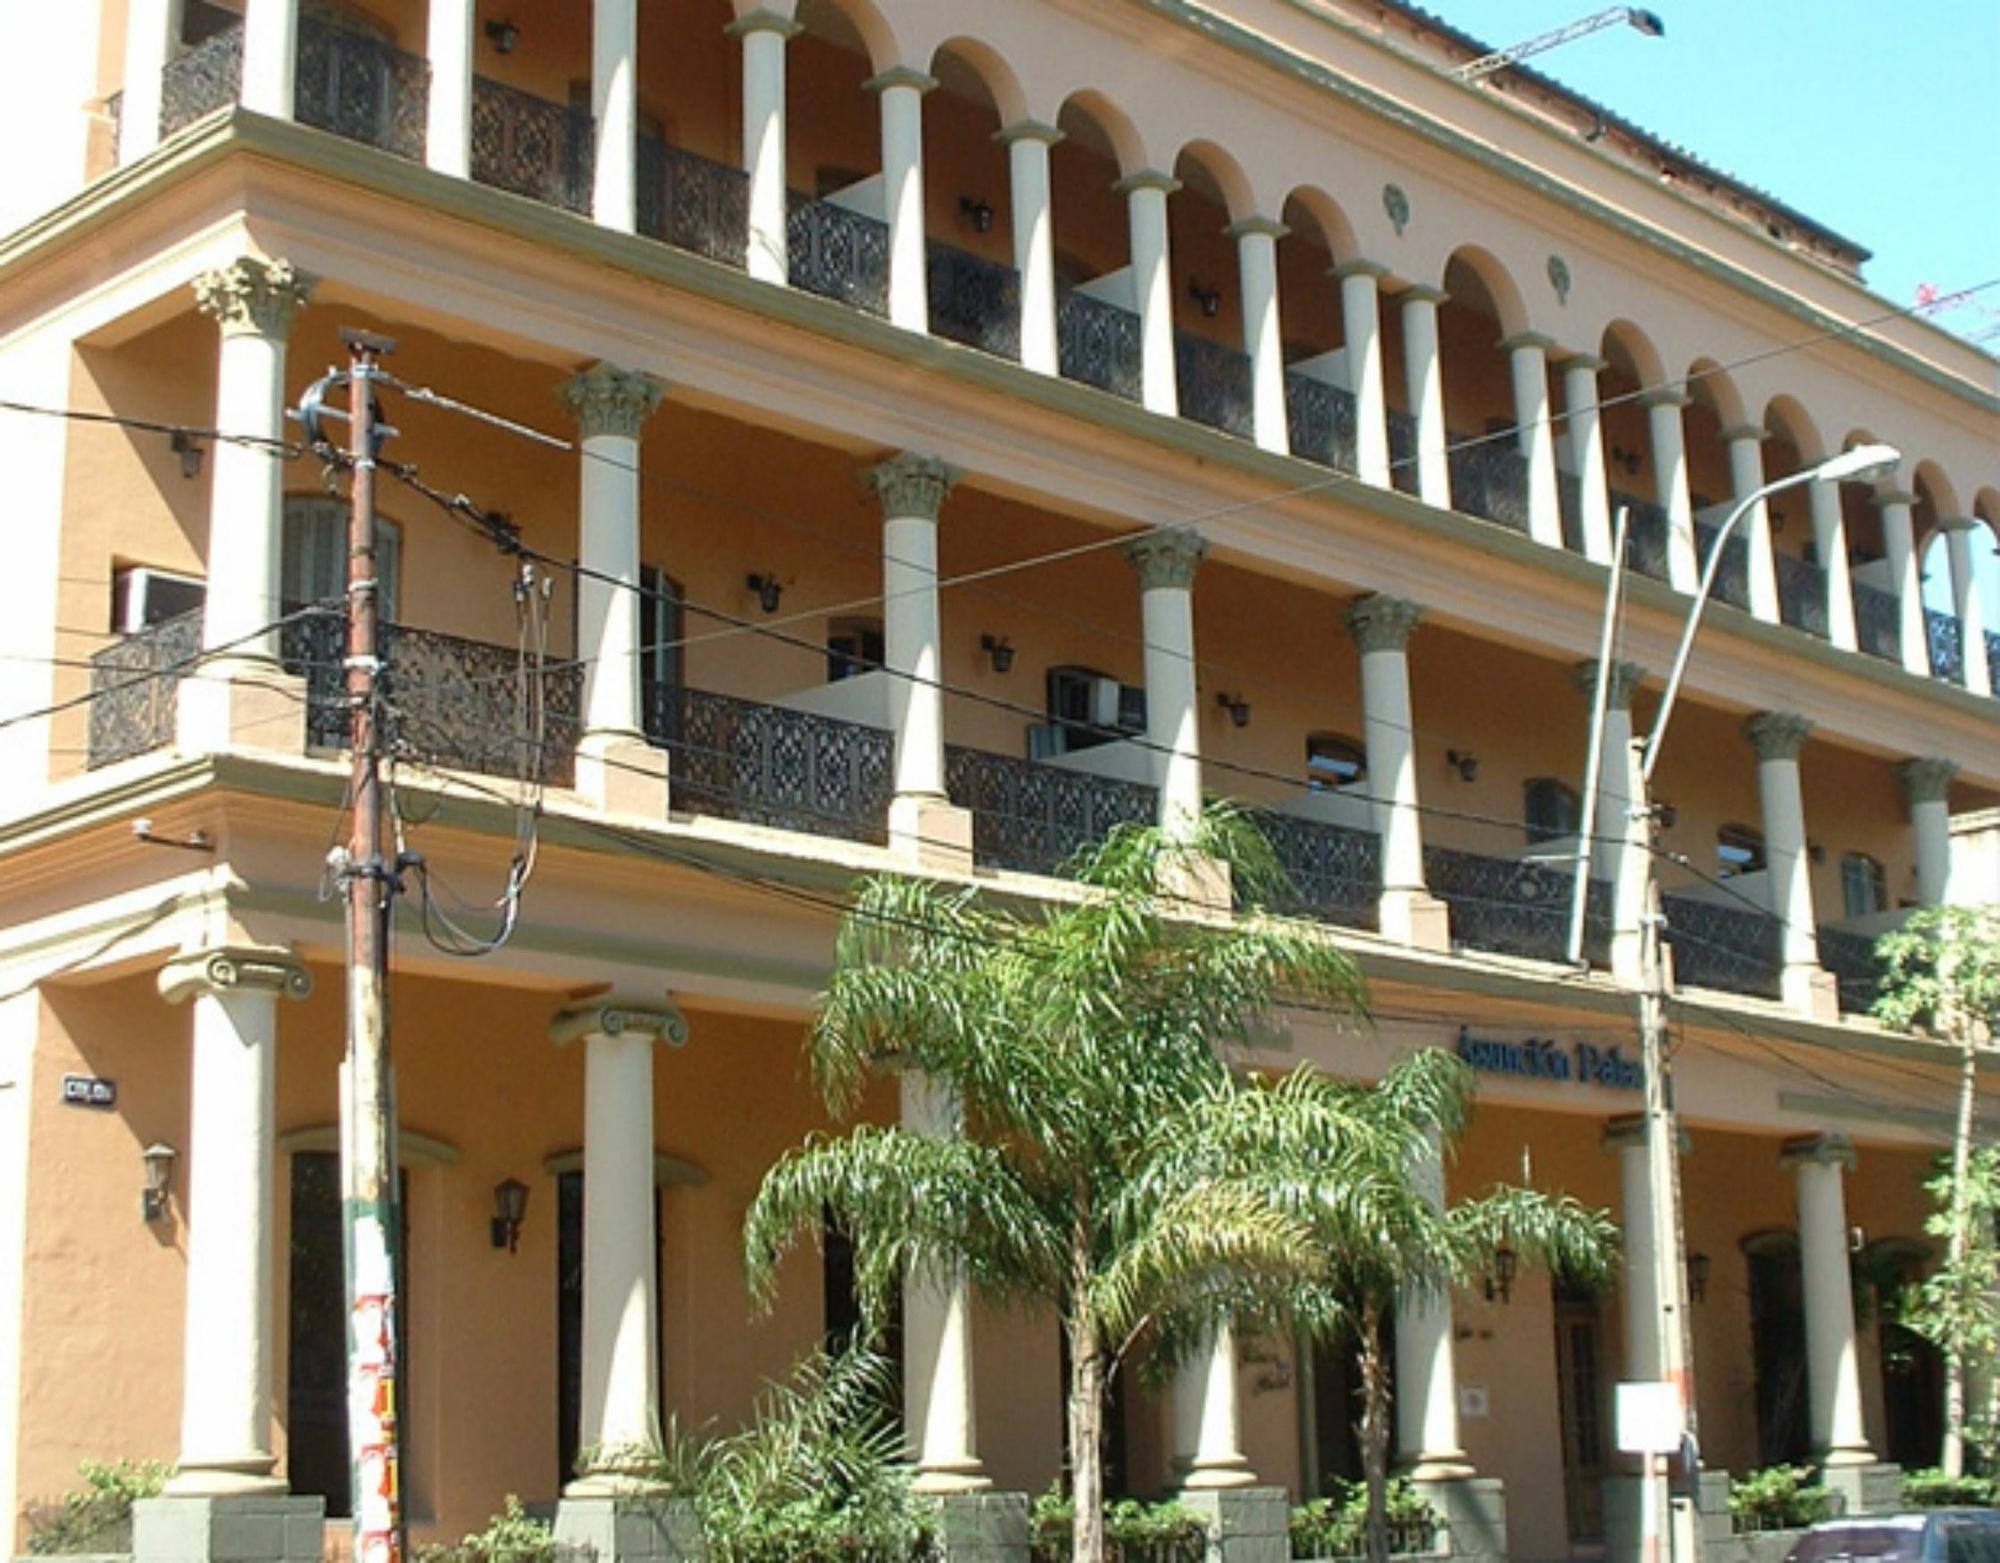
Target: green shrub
[(1777, 1498), (1932, 1489), (1336, 1526), (1134, 1532), (513, 1536), (97, 1517)]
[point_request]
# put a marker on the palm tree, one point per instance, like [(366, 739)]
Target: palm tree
[(1110, 1165)]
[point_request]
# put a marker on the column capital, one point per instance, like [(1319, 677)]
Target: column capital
[(1266, 227), (1818, 1150), (1525, 339), (911, 487), (1582, 362), (608, 400), (1381, 623), (1422, 293), (1745, 431), (1029, 130), (900, 76), (1959, 523), (1777, 735), (1666, 396), (618, 1018), (234, 968), (1625, 678), (1628, 1132), (252, 296), (764, 20), (1360, 266), (1892, 498), (1147, 179), (1165, 559), (1927, 779)]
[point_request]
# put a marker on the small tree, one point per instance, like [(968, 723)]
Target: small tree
[(1941, 970)]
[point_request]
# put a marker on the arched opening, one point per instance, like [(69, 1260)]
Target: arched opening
[(1631, 372), (1715, 407), (1210, 365), (1794, 446), (1936, 504), (1319, 372), (1912, 1368), (1877, 618), (974, 290), (1489, 476), (837, 234), (1778, 1347), (1097, 321), (691, 191)]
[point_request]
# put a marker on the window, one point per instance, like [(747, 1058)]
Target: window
[(1551, 809), (1738, 850), (853, 646), (1092, 707), (1333, 760), (662, 627), (1864, 886), (314, 567)]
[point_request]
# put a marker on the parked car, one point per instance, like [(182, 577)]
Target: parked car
[(1924, 1536)]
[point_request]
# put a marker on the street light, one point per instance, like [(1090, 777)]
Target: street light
[(1644, 22)]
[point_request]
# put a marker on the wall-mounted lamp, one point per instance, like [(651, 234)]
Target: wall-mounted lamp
[(1697, 1277), (188, 448), (1666, 814), (159, 1164), (1464, 762), (1500, 1284), (504, 36), (1208, 300), (1237, 707), (510, 1204), (977, 212), (769, 589), (999, 651), (1628, 459)]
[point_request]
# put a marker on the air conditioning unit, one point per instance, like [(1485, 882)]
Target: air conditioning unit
[(142, 596)]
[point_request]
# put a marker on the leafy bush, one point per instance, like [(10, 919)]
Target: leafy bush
[(1134, 1532), (1932, 1489), (513, 1536), (1336, 1526), (1777, 1498), (98, 1516)]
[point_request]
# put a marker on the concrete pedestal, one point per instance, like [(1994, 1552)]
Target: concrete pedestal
[(251, 1528), (1245, 1524), (983, 1527), (1704, 1519), (630, 1529), (1865, 1487), (1474, 1511)]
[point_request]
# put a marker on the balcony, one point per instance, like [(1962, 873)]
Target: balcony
[(1851, 959), (692, 203), (1802, 595), (974, 301), (1320, 422), (1504, 906), (1403, 451), (1490, 479), (1878, 623), (1033, 818), (1646, 529), (1098, 344), (1335, 871), (1733, 949), (838, 254), (1732, 580), (1947, 645), (1214, 384)]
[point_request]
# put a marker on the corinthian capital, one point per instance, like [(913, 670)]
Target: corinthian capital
[(1927, 780), (1165, 558), (252, 296), (1777, 735), (606, 400), (1380, 623), (911, 487)]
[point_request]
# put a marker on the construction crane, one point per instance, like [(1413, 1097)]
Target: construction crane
[(1644, 21)]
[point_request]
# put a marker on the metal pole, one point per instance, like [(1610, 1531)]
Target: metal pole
[(1593, 768), (369, 1184)]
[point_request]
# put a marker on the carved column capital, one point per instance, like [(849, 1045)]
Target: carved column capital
[(764, 20), (911, 487), (235, 968), (252, 296), (1628, 1132), (1165, 559), (618, 1018), (1528, 339), (1380, 623), (1927, 780), (1818, 1150), (1625, 678), (608, 400), (1755, 432), (1777, 735)]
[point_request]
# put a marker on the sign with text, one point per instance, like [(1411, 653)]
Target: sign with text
[(89, 1091), (1544, 1058)]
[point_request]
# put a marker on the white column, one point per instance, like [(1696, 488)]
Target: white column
[(1612, 854), (614, 100), (912, 489), (1833, 1377), (1927, 784), (1830, 543), (1586, 453), (152, 27), (1638, 1274), (1166, 562), (938, 1402), (1381, 627), (1028, 142), (1778, 736), (1528, 359), (1146, 195), (448, 45), (621, 1309), (1671, 493), (1207, 1421), (901, 92), (1746, 476), (1263, 340), (1361, 325), (1428, 1447), (1905, 578), (765, 34), (226, 1381), (1424, 374), (270, 52), (1958, 532)]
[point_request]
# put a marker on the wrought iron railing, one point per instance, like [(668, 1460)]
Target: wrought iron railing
[(361, 88), (974, 301), (1732, 581), (1320, 420), (1335, 871), (1510, 907), (1646, 530), (201, 80), (1569, 501), (1098, 344), (1993, 661), (693, 204), (1878, 622), (1033, 818), (838, 254), (1214, 383), (1947, 643), (1851, 959), (1802, 596), (1735, 949), (133, 686), (1489, 478), (1402, 451), (530, 146)]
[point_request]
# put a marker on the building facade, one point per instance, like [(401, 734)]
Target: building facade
[(947, 430)]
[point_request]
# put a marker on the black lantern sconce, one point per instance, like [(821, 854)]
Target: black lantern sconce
[(159, 1163), (1697, 1277), (770, 591), (188, 448), (1464, 762), (510, 1204), (999, 651), (1628, 459), (1207, 299), (504, 36), (1500, 1284), (977, 212), (1237, 707)]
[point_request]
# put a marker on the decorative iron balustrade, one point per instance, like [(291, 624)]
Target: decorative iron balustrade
[(529, 146), (313, 649), (1569, 502), (1878, 623), (1732, 581), (974, 301), (1993, 661), (1402, 451), (1320, 421), (1802, 595), (766, 765), (1335, 872), (1489, 479), (1098, 344), (1851, 959), (134, 683), (838, 254), (1214, 384), (201, 80), (1947, 643), (1645, 535), (1033, 818), (361, 88), (1733, 949), (1510, 907), (692, 203)]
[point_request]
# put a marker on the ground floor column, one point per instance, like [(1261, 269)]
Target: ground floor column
[(1428, 1445), (1833, 1377)]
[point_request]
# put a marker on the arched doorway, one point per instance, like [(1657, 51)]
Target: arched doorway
[(1778, 1347)]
